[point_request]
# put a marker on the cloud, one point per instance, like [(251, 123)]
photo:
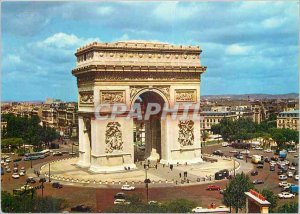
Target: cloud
[(236, 49)]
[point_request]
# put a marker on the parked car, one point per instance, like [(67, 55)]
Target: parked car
[(282, 177), (81, 208), (127, 187), (57, 154), (57, 185), (284, 183), (30, 180), (218, 152), (274, 158), (15, 169), (21, 173), (290, 174), (280, 172), (225, 144), (17, 159), (121, 201), (285, 195), (233, 151), (296, 177), (258, 182), (267, 160), (255, 172), (15, 175), (213, 187), (272, 168), (241, 157), (260, 165), (258, 148), (292, 167), (222, 191), (8, 170), (120, 195), (268, 151)]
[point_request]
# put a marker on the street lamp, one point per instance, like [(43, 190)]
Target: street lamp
[(42, 180), (147, 181), (49, 173)]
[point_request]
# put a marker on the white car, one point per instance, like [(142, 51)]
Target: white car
[(121, 201), (233, 151), (289, 174), (258, 148), (7, 160), (292, 151), (225, 144), (282, 177), (22, 173), (15, 176), (286, 195), (284, 183), (246, 152), (197, 209), (268, 150), (2, 162), (127, 187), (292, 168), (296, 177)]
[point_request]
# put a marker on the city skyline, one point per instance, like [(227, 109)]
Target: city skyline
[(256, 54)]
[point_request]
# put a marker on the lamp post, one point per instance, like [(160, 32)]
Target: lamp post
[(147, 180), (49, 173)]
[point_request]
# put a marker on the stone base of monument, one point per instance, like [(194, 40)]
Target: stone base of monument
[(83, 164), (112, 169), (182, 162)]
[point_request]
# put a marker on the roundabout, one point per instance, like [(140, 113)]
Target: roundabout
[(67, 172)]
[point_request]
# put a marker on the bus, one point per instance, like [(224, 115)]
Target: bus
[(37, 155)]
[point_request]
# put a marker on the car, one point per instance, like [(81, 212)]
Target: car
[(127, 187), (120, 195), (296, 177), (280, 172), (296, 156), (274, 158), (21, 173), (57, 185), (285, 195), (284, 183), (241, 157), (290, 174), (8, 160), (8, 170), (30, 180), (218, 152), (15, 175), (15, 169), (292, 167), (255, 172), (260, 166), (246, 152), (197, 210), (72, 153), (268, 150), (26, 187), (258, 182), (233, 151), (225, 144), (213, 187), (5, 164), (81, 208), (121, 201), (267, 159), (17, 159), (272, 168), (282, 177), (258, 148), (152, 202), (291, 151), (57, 154)]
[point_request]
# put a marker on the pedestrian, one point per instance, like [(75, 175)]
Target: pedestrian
[(179, 174), (186, 174), (171, 167), (156, 166), (163, 165)]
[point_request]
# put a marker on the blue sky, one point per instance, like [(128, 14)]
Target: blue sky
[(248, 47)]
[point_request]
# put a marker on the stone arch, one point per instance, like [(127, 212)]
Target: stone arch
[(156, 90)]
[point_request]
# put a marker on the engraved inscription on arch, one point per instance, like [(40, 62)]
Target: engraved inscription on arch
[(184, 95)]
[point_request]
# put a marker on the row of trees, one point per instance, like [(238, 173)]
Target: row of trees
[(24, 130), (30, 204), (246, 129)]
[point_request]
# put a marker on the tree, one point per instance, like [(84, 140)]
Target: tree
[(180, 206), (271, 197), (234, 195), (288, 208)]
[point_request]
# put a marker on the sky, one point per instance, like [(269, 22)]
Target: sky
[(248, 47)]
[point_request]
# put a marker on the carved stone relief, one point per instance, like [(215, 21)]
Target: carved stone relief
[(113, 137), (185, 95), (112, 97), (186, 133), (86, 97)]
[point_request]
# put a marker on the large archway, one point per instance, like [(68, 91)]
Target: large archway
[(148, 132)]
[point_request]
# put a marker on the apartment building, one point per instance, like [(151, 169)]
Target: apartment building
[(288, 120)]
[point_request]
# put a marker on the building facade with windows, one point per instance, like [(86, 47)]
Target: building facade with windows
[(288, 120)]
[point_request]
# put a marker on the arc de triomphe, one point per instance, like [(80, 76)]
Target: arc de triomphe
[(123, 73)]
